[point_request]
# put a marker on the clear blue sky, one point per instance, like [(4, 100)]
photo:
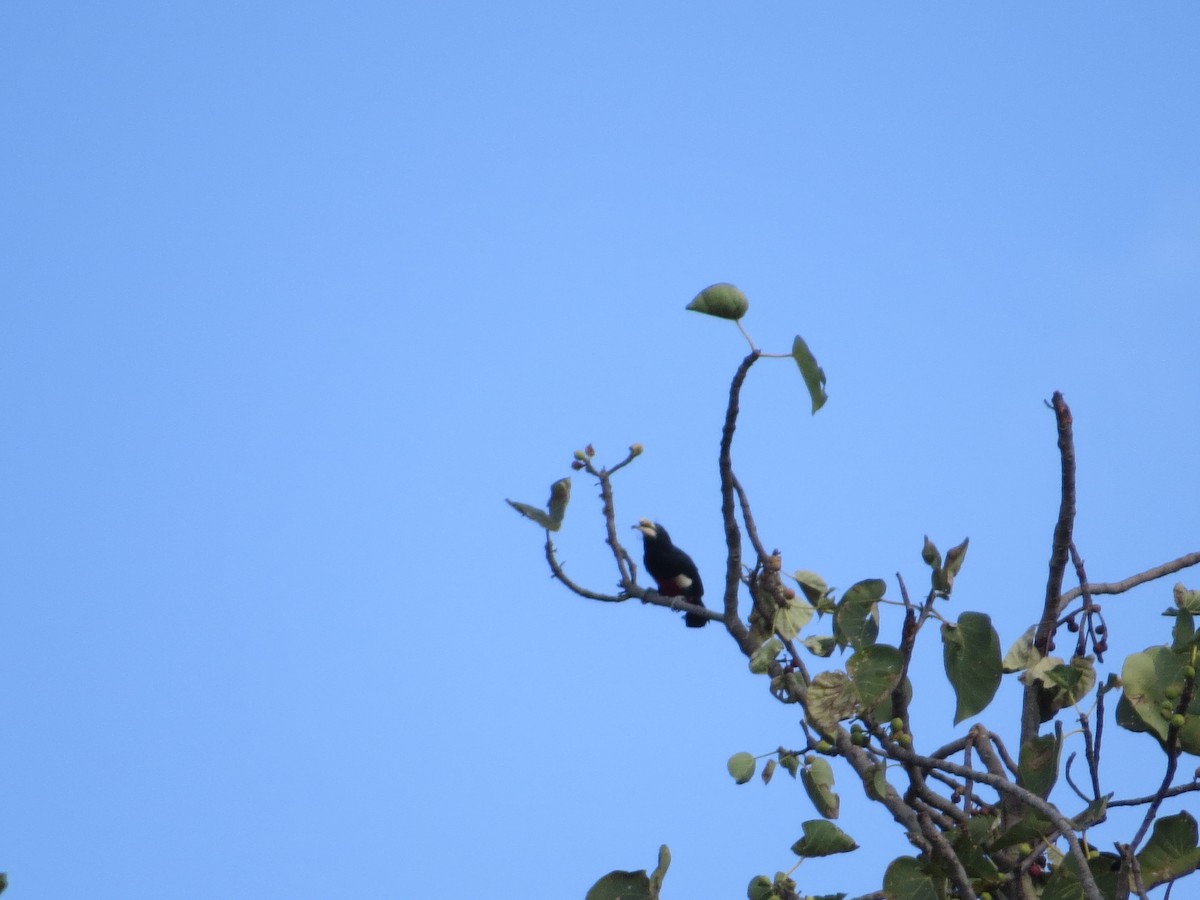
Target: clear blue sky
[(294, 295)]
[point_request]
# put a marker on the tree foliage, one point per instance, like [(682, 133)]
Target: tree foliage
[(980, 817)]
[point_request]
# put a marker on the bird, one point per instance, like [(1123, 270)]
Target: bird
[(672, 569)]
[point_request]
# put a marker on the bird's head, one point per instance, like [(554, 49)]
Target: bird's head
[(652, 531)]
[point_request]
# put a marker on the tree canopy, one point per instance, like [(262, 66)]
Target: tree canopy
[(1020, 812)]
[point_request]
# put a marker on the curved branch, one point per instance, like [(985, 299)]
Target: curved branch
[(733, 534), (632, 592), (557, 570), (1059, 554)]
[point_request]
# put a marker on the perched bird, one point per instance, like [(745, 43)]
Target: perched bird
[(672, 569)]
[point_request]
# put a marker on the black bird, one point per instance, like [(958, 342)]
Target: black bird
[(672, 569)]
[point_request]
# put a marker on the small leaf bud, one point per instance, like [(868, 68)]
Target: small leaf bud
[(576, 465), (589, 450), (636, 449)]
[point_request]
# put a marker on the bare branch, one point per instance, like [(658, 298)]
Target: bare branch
[(557, 569), (1150, 798), (633, 591), (733, 535), (942, 849), (1064, 825), (1120, 587), (748, 518), (1059, 554), (1063, 528)]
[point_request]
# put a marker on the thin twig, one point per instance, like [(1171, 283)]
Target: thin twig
[(556, 568), (1150, 798), (1120, 587)]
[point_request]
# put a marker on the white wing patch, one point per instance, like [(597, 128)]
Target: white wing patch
[(683, 582)]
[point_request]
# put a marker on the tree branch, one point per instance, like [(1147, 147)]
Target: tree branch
[(1059, 554), (1120, 587), (733, 535)]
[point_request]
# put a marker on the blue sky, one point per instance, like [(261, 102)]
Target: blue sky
[(296, 295)]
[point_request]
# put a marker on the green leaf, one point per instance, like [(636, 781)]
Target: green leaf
[(1188, 601), (822, 839), (761, 659), (955, 557), (931, 555), (660, 871), (1183, 634), (875, 782), (741, 766), (1032, 828), (821, 645), (1171, 851), (1037, 768), (971, 653), (974, 861), (831, 698), (1022, 654), (769, 770), (620, 885), (1073, 682), (1145, 679), (886, 709), (791, 616), (817, 778), (760, 888), (813, 585), (560, 495), (876, 672), (722, 300), (1127, 716), (531, 512), (981, 829), (906, 879), (856, 620), (1064, 883), (789, 761), (814, 375), (1093, 814)]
